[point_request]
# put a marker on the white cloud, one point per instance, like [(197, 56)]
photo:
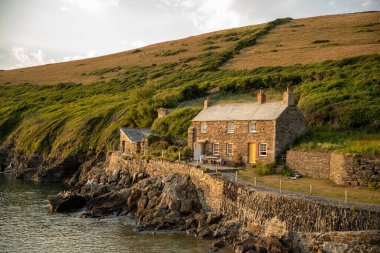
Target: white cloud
[(64, 8), (29, 59), (134, 44), (207, 15), (26, 59), (92, 5), (78, 56), (370, 3)]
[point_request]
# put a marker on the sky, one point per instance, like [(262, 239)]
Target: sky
[(35, 32)]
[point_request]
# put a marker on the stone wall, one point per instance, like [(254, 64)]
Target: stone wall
[(289, 126), (351, 241), (342, 169), (355, 170), (240, 139), (313, 164), (260, 211)]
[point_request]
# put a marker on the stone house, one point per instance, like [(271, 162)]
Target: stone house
[(134, 140), (251, 132)]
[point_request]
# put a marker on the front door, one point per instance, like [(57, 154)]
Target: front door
[(252, 153), (198, 151)]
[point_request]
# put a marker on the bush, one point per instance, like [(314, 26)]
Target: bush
[(286, 171), (265, 169), (187, 152)]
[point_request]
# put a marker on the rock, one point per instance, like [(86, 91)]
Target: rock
[(245, 245), (135, 195), (213, 218), (59, 203), (110, 202), (186, 206), (141, 204), (219, 244)]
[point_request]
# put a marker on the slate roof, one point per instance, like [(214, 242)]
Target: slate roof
[(136, 134), (242, 111)]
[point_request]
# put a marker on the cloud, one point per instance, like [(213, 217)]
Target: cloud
[(78, 56), (207, 15), (134, 44), (92, 5), (26, 59), (29, 59), (370, 3)]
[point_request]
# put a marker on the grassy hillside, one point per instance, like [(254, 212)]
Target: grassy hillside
[(76, 108)]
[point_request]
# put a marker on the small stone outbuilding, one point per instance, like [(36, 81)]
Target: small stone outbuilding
[(134, 141), (251, 132)]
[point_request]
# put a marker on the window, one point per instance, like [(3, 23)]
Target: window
[(215, 148), (229, 149), (252, 127), (203, 127), (230, 127), (262, 149)]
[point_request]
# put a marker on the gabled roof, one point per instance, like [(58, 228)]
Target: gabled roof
[(136, 134), (242, 111)]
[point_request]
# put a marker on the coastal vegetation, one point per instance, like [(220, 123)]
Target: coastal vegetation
[(339, 97)]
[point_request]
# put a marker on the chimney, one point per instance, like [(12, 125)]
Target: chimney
[(288, 97), (206, 103), (261, 98)]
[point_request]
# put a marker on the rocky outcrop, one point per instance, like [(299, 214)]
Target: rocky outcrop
[(66, 203), (157, 203)]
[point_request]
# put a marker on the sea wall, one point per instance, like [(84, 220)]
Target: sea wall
[(338, 241), (260, 211), (342, 169)]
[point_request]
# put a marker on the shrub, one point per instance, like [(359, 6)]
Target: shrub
[(265, 169), (187, 152), (286, 171)]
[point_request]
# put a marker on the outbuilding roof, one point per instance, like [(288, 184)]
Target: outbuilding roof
[(242, 111), (136, 134)]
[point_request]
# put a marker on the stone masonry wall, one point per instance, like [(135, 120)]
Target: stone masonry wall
[(264, 212), (353, 241), (342, 169), (313, 164), (240, 139), (289, 126)]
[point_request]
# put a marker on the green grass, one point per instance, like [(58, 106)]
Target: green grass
[(345, 141), (71, 119), (320, 187)]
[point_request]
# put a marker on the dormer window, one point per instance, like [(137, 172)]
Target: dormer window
[(203, 127), (230, 127), (252, 127)]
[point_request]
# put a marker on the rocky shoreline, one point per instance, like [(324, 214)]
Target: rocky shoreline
[(162, 196), (169, 203)]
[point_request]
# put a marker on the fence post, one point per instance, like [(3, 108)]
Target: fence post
[(235, 176), (255, 181), (280, 186), (345, 196), (310, 189)]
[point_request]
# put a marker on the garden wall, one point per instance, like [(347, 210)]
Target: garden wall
[(342, 169)]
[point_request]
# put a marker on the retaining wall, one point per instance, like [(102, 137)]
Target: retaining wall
[(342, 169), (264, 212)]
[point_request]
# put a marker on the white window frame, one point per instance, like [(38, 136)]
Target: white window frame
[(203, 127), (214, 150), (261, 152), (230, 130), (229, 146), (250, 129)]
